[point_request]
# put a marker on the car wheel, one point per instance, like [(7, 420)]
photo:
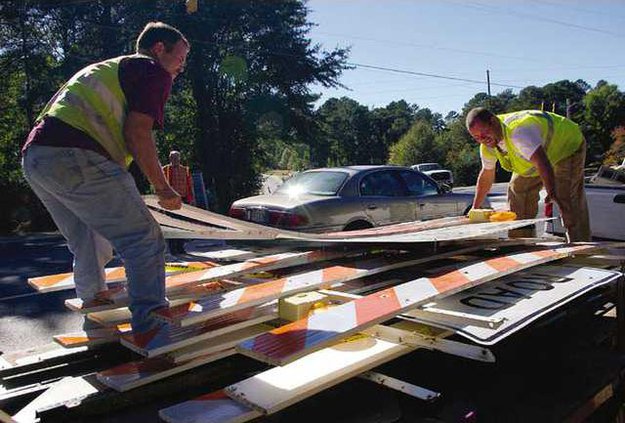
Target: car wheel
[(357, 225)]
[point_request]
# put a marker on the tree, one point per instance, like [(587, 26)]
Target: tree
[(345, 127), (604, 112), (616, 153), (418, 145), (499, 103), (554, 97), (248, 59), (462, 153), (388, 124)]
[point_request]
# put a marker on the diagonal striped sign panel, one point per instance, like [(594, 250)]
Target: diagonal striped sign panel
[(183, 281), (169, 338), (216, 305), (289, 342), (64, 281)]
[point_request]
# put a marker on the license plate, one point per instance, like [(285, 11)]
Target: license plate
[(258, 215)]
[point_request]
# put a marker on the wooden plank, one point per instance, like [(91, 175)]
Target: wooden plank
[(279, 387), (287, 343), (216, 344), (207, 217), (184, 229), (63, 281), (170, 338), (92, 337), (108, 318), (132, 375)]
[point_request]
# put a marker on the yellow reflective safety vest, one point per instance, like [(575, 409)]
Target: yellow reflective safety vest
[(561, 139), (94, 102)]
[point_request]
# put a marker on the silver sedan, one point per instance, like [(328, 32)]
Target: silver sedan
[(350, 198)]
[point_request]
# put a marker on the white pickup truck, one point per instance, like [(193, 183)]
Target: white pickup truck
[(606, 208), (435, 171)]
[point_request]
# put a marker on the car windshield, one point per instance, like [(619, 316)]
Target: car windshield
[(318, 183), (429, 166)]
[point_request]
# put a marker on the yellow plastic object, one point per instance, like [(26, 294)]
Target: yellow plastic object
[(479, 215), (298, 306), (503, 216)]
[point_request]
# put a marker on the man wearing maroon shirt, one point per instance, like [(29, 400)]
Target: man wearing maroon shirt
[(76, 159)]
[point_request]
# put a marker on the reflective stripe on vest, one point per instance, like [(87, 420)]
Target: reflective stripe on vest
[(94, 102)]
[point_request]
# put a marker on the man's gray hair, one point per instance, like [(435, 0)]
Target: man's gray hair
[(479, 114)]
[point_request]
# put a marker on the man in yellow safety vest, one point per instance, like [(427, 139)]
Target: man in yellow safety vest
[(541, 149), (76, 157)]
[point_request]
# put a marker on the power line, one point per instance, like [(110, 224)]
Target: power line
[(579, 9), (499, 10), (431, 75), (456, 50)]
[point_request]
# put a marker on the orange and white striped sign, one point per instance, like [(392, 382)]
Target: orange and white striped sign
[(287, 343), (216, 305), (184, 281), (169, 338), (64, 281)]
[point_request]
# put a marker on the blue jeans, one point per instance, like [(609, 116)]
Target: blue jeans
[(96, 206)]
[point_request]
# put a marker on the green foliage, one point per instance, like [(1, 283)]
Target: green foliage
[(418, 145), (499, 103), (604, 111), (462, 156)]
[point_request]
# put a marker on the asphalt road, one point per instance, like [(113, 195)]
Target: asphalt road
[(27, 318)]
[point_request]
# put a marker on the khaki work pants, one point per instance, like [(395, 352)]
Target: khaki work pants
[(523, 196)]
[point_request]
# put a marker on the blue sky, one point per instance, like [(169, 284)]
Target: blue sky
[(523, 42)]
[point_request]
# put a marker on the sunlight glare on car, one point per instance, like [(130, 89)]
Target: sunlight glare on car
[(295, 191)]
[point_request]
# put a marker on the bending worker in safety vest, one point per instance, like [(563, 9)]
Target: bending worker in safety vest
[(540, 149), (76, 158)]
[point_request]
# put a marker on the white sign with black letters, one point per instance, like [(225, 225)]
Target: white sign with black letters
[(519, 299)]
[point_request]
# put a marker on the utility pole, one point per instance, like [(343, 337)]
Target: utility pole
[(488, 80), (568, 108)]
